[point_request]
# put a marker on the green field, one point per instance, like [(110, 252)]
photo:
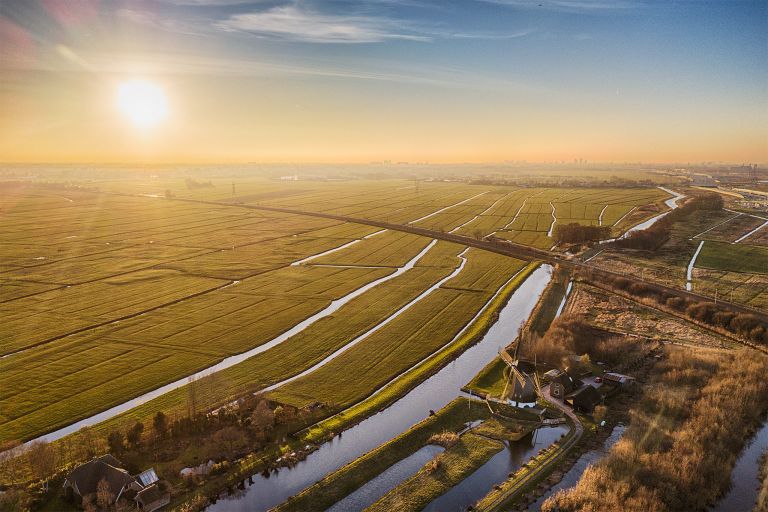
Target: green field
[(733, 258), (107, 294)]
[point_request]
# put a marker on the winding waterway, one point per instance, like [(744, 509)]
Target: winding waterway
[(434, 393), (573, 475), (496, 470)]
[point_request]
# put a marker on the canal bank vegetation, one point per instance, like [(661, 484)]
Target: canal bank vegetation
[(441, 428), (684, 435), (570, 336), (419, 372), (437, 477), (762, 495), (745, 327), (546, 309), (653, 237)]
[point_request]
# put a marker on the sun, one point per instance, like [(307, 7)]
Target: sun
[(142, 102)]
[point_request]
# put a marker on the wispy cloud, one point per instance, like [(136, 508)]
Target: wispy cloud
[(571, 5), (296, 23)]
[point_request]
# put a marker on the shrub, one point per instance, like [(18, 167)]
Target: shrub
[(446, 439)]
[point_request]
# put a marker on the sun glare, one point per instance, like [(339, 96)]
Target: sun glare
[(142, 102)]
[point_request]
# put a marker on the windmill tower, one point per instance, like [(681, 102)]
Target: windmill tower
[(522, 384)]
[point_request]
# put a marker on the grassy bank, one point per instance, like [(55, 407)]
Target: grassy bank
[(341, 483), (420, 372), (546, 309), (450, 468)]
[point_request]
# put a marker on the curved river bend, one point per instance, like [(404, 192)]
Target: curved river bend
[(434, 393)]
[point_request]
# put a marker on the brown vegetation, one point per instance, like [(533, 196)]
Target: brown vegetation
[(653, 237), (683, 439), (569, 336), (446, 439), (745, 325), (575, 233)]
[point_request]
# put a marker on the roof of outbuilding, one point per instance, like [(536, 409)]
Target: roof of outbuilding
[(150, 494)]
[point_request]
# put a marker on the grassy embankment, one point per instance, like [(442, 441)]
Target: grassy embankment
[(469, 452), (420, 372), (337, 485)]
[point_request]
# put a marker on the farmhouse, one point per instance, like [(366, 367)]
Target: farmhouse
[(85, 479), (584, 399), (563, 383)]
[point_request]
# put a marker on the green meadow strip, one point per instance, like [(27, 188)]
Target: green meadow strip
[(410, 379)]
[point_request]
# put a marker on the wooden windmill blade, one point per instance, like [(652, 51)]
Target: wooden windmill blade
[(504, 394), (519, 376), (538, 384)]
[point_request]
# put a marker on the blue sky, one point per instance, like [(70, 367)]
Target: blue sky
[(484, 79)]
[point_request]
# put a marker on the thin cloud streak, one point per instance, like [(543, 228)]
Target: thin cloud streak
[(293, 23), (160, 64), (571, 5), (297, 24)]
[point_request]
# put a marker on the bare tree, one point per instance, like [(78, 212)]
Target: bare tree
[(263, 418), (42, 460), (229, 440), (11, 465), (86, 443), (192, 396), (104, 495)]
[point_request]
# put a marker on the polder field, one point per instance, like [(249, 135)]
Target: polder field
[(731, 265), (109, 290)]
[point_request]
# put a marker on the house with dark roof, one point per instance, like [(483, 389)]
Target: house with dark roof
[(84, 481), (563, 383), (584, 399)]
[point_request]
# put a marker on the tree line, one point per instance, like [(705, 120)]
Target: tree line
[(655, 236)]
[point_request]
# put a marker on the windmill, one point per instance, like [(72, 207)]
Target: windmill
[(522, 383)]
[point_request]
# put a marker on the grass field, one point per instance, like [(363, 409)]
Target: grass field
[(107, 296), (735, 271), (734, 258), (429, 325)]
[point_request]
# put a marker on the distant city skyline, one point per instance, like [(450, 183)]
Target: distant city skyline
[(275, 81)]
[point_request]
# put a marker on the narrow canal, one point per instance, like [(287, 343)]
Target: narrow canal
[(745, 481), (496, 470), (573, 475), (434, 393)]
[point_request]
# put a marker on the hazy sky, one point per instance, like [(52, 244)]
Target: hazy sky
[(416, 80)]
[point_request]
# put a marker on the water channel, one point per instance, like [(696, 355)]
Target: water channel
[(434, 393)]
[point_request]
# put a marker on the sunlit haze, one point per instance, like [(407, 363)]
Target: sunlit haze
[(143, 103), (423, 81)]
